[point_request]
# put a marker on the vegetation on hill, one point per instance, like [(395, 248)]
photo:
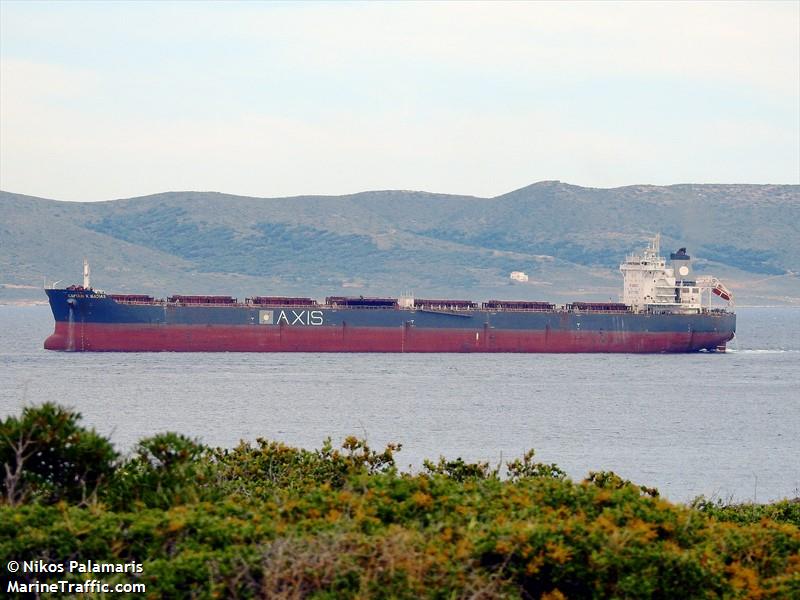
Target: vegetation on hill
[(264, 520), (569, 240)]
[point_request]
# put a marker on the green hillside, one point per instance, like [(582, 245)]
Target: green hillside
[(569, 240)]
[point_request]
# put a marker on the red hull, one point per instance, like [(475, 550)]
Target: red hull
[(247, 338)]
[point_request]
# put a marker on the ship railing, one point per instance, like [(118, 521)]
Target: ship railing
[(562, 309), (162, 301), (356, 307), (206, 304), (439, 307), (446, 307), (523, 310), (152, 302), (595, 312), (691, 310)]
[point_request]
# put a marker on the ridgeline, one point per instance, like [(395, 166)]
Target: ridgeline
[(569, 239)]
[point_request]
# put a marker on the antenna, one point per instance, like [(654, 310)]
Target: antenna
[(86, 274), (655, 244)]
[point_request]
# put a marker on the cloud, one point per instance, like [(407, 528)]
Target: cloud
[(115, 100), (748, 43), (80, 156), (752, 43)]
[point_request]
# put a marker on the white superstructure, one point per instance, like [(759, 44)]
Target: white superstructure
[(650, 284)]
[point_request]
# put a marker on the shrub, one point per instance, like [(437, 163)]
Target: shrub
[(784, 511), (47, 455), (258, 470), (266, 520), (165, 470), (460, 470), (527, 467), (611, 481)]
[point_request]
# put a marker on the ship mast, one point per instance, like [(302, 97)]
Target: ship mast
[(86, 274)]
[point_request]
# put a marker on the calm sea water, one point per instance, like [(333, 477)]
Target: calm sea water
[(726, 426)]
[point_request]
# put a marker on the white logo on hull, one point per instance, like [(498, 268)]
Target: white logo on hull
[(291, 317)]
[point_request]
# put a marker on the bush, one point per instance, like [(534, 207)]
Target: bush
[(785, 511), (460, 470), (270, 521), (47, 456), (527, 467), (165, 470), (259, 470)]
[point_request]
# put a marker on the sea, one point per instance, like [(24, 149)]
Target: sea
[(724, 426)]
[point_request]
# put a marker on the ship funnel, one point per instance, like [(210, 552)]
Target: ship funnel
[(681, 265), (86, 274)]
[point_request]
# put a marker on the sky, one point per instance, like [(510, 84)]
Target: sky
[(102, 100)]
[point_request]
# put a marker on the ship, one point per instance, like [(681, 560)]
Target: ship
[(665, 308)]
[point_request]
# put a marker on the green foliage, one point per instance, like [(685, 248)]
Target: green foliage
[(220, 248), (257, 471), (266, 520), (755, 261), (165, 470), (785, 511), (459, 470), (612, 481), (46, 455), (527, 467), (436, 242)]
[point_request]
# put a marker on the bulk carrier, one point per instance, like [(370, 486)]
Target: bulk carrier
[(665, 308)]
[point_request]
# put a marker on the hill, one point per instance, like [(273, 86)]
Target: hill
[(569, 240)]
